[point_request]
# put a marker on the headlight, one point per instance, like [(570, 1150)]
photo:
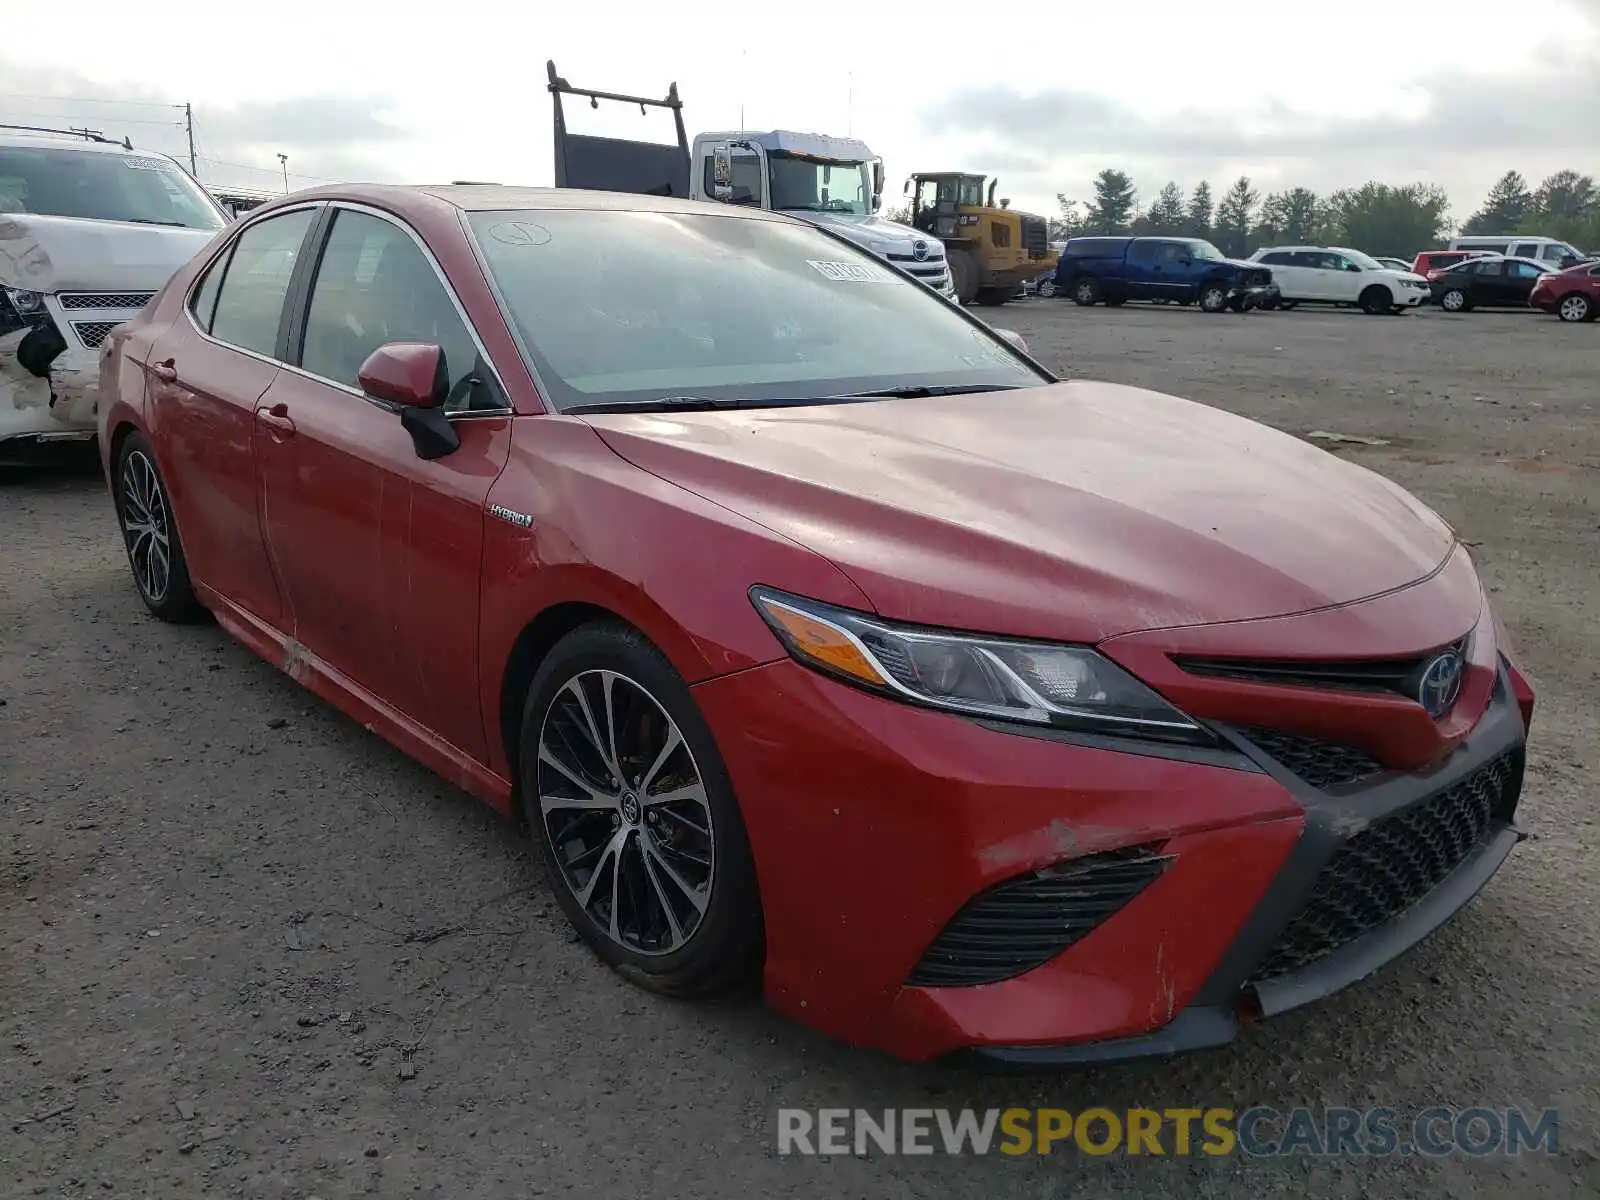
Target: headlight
[(25, 303), (1033, 682)]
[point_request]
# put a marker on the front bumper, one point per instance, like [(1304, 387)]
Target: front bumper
[(873, 824), (63, 404)]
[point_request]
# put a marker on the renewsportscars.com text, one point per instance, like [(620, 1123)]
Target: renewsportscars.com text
[(1257, 1132)]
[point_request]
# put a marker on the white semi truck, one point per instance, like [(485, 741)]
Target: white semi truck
[(833, 182)]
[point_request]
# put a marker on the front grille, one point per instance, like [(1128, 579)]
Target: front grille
[(1023, 923), (92, 333), (1395, 861), (1352, 674), (1257, 278), (1035, 235), (1320, 763), (133, 300)]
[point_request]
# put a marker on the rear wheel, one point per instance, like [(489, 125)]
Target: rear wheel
[(628, 798), (1575, 308), (1086, 292), (1376, 301), (150, 534), (1455, 301), (1213, 297)]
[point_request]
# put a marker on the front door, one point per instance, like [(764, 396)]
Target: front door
[(379, 551), (206, 375)]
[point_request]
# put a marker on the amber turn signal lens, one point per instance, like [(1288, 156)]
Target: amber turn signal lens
[(822, 643)]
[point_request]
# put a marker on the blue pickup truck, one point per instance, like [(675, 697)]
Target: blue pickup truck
[(1113, 270)]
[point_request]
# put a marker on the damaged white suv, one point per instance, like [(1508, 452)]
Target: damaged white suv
[(89, 230)]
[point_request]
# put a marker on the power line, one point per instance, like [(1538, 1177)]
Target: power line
[(87, 100), (118, 120), (217, 162)]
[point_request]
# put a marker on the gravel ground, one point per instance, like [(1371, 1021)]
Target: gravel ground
[(248, 949)]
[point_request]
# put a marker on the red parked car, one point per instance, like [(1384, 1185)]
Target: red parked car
[(1573, 294), (1430, 264), (816, 630)]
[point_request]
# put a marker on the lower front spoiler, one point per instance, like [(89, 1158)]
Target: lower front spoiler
[(1207, 1027)]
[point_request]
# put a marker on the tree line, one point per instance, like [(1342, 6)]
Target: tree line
[(1380, 218)]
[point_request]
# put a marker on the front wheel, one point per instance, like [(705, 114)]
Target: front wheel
[(626, 793), (993, 297), (150, 533), (1376, 301), (963, 275), (1086, 292), (1046, 289), (1213, 297), (1575, 308), (1454, 301)]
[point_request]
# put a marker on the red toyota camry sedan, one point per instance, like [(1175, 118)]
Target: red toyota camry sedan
[(818, 632)]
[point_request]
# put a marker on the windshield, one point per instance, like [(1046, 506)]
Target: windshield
[(1365, 261), (1205, 250), (92, 185), (807, 185), (625, 307)]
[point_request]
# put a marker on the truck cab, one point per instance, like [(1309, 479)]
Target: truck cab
[(830, 181), (992, 248)]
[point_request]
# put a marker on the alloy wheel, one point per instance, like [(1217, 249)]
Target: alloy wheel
[(625, 810), (1574, 308), (1453, 302), (1046, 288), (146, 526)]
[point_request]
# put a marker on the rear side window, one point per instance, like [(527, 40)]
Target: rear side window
[(374, 285), (1278, 258), (204, 302), (1095, 248), (250, 303), (1143, 251)]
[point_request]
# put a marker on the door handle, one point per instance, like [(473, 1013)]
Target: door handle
[(166, 372), (277, 419)]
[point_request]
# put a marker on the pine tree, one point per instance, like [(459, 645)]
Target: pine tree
[(1111, 210), (1508, 207), (1199, 217), (1166, 215), (1235, 215)]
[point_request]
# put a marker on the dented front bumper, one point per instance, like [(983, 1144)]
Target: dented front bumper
[(50, 361)]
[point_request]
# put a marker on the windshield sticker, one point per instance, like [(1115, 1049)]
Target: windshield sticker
[(519, 233), (143, 164), (844, 272)]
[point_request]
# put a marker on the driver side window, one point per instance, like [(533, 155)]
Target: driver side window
[(374, 285)]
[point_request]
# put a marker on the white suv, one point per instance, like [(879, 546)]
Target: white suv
[(1336, 275), (89, 230)]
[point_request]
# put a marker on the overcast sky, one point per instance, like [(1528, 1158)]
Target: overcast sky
[(1042, 93)]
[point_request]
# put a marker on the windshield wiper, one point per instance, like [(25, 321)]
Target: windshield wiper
[(153, 221), (693, 403)]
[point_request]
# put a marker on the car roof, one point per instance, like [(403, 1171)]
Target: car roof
[(495, 197), (44, 140)]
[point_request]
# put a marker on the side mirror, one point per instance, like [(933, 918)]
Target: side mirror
[(1352, 267), (1013, 337), (413, 377), (906, 190), (721, 171), (877, 178)]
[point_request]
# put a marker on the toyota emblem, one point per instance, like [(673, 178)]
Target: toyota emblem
[(919, 250)]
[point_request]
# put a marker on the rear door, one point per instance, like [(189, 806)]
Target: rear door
[(206, 375), (1492, 282), (1520, 278), (379, 551), (1142, 278)]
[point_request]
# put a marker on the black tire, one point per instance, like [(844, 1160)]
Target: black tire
[(1455, 301), (1046, 289), (1287, 305), (994, 297), (721, 943), (1376, 301), (963, 274), (1086, 291), (1270, 304), (1213, 297), (1116, 301), (150, 531), (1575, 308)]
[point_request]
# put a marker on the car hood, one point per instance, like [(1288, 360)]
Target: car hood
[(66, 254), (876, 234), (1074, 511)]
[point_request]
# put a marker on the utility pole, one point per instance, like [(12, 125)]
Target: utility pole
[(188, 124), (283, 160)]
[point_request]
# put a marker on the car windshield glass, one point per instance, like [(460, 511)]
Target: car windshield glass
[(807, 185), (1365, 261), (96, 186), (1204, 250), (632, 307)]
